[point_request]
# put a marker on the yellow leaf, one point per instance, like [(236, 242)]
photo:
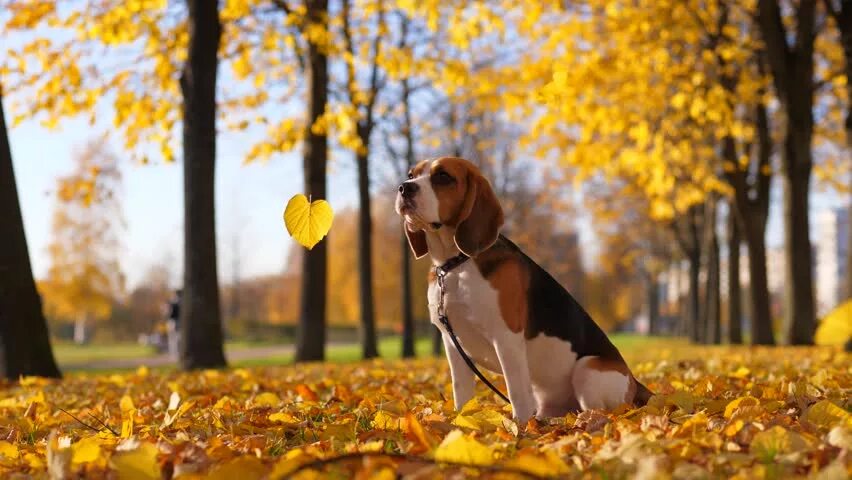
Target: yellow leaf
[(86, 450), (308, 222), (247, 466), (385, 421), (740, 402), (267, 399), (826, 414), (547, 465), (459, 448), (138, 464), (776, 441), (282, 417), (414, 429), (126, 405), (8, 450), (292, 460)]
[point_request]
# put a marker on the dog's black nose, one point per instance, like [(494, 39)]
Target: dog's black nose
[(408, 189)]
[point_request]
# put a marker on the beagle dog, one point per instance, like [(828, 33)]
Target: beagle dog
[(509, 314)]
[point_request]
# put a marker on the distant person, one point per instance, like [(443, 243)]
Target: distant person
[(173, 323)]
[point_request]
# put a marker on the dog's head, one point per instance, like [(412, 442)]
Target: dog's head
[(449, 193)]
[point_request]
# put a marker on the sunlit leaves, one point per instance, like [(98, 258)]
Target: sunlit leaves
[(718, 412)]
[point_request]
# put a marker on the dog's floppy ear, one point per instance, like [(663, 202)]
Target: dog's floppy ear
[(417, 241), (480, 219)]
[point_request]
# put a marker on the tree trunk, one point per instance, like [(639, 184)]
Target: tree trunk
[(752, 194), (310, 341), (844, 22), (711, 315), (693, 302), (201, 316), (408, 330), (761, 322), (405, 300), (800, 314), (24, 339), (365, 259), (793, 76), (437, 342), (653, 292), (80, 332), (735, 311)]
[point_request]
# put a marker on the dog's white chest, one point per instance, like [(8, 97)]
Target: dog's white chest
[(471, 306)]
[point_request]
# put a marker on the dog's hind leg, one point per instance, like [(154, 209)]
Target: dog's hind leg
[(601, 383)]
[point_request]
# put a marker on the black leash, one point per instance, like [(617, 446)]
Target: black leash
[(441, 272)]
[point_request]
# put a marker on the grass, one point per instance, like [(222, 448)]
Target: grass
[(632, 347), (71, 353)]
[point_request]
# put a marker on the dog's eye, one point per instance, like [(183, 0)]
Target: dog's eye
[(410, 175), (442, 178)]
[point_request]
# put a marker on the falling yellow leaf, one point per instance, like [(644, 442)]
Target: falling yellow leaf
[(308, 222), (137, 464), (459, 448)]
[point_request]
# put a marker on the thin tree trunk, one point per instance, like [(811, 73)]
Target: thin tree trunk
[(735, 311), (80, 332), (369, 347), (310, 341), (437, 342), (712, 306), (408, 330), (693, 301), (201, 316), (653, 292), (405, 300), (24, 340), (687, 230)]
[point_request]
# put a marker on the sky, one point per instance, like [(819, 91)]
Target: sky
[(250, 200)]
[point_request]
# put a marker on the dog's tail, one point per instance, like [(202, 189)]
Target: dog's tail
[(642, 394)]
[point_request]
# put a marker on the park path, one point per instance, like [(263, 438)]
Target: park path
[(166, 360)]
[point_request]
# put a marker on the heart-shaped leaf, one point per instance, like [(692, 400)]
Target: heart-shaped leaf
[(307, 222)]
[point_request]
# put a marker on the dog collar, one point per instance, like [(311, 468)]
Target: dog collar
[(451, 264)]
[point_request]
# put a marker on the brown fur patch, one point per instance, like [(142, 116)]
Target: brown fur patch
[(506, 274), (417, 170), (453, 197)]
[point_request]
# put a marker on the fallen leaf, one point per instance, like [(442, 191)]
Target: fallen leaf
[(459, 448)]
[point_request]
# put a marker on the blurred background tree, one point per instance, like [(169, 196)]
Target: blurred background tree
[(85, 276)]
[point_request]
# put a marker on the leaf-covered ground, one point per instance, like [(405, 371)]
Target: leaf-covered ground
[(719, 413)]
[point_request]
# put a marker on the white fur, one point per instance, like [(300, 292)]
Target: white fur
[(425, 200)]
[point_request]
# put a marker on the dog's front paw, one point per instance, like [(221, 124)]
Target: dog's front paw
[(522, 416)]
